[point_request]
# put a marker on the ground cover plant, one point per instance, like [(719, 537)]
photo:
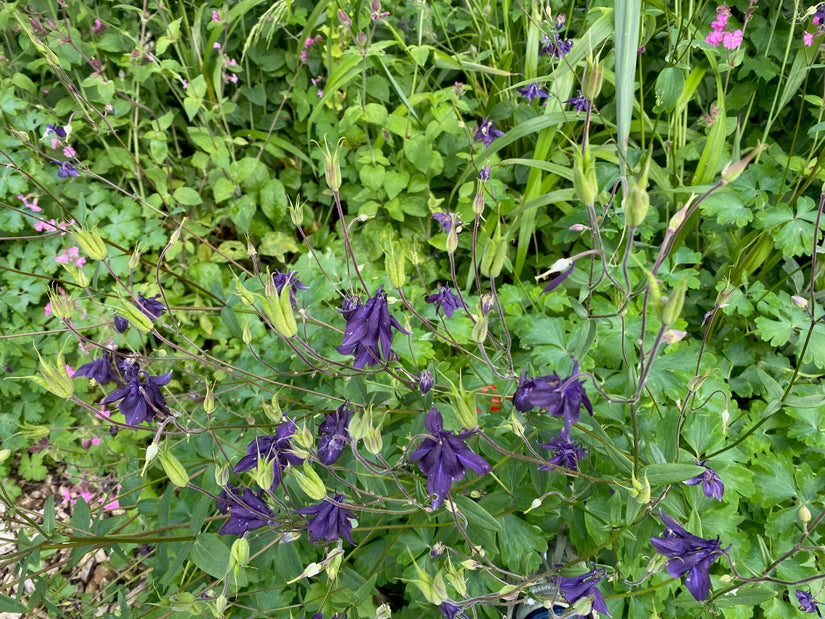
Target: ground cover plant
[(416, 309)]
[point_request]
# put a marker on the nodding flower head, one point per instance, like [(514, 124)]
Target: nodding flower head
[(290, 278), (555, 47), (333, 434), (487, 132), (330, 522), (139, 399), (445, 299), (532, 91), (368, 334)]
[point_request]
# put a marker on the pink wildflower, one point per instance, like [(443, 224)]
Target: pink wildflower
[(48, 309), (216, 15), (62, 259), (95, 441), (55, 143), (234, 79), (103, 413), (98, 26), (308, 42), (320, 93), (33, 204), (69, 152), (185, 84), (232, 62), (714, 38), (732, 40), (216, 45), (74, 252), (303, 55), (69, 370), (41, 225), (808, 39)]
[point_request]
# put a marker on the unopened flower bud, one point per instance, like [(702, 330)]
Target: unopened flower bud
[(90, 242), (804, 513), (332, 165), (151, 452), (732, 171), (673, 308), (250, 249), (800, 302), (394, 264), (296, 211), (696, 383), (636, 204), (273, 410), (671, 336), (209, 399), (578, 228), (361, 39), (478, 201), (425, 381), (452, 237), (176, 234), (584, 176), (221, 475), (480, 329), (344, 18), (374, 441), (593, 78), (134, 261), (332, 564)]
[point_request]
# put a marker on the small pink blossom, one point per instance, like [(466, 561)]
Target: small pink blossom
[(48, 309), (714, 38), (232, 62), (185, 84), (233, 78), (33, 204), (303, 55), (45, 91), (815, 21), (320, 93), (732, 40), (216, 45), (70, 371), (41, 225), (74, 252), (62, 259), (55, 143), (98, 26), (808, 39), (114, 504), (69, 152), (95, 441), (216, 15), (103, 413)]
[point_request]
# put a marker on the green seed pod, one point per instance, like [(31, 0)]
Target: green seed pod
[(174, 470), (374, 441), (309, 481), (593, 78), (90, 242), (182, 602), (480, 329), (332, 165), (673, 308), (465, 407), (636, 203), (264, 473), (494, 255), (584, 176), (239, 554), (62, 305), (394, 265)]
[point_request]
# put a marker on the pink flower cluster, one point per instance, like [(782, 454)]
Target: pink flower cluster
[(307, 44), (84, 490), (41, 225), (72, 254), (719, 35), (33, 204), (818, 21)]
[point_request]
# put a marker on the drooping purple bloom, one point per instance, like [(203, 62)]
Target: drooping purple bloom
[(445, 299), (350, 306), (447, 221), (445, 457), (368, 335), (333, 434), (555, 47), (276, 448), (807, 602), (583, 586), (290, 278), (712, 486), (558, 279), (102, 369), (579, 102), (566, 453), (425, 381), (532, 91), (688, 554), (65, 169), (487, 132), (247, 513), (121, 324), (228, 495), (450, 610), (151, 307), (139, 401), (484, 173), (330, 522), (56, 129), (562, 398)]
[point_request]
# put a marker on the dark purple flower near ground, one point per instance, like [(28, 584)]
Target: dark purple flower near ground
[(807, 602), (558, 279), (290, 278), (425, 381), (532, 91), (450, 610), (689, 555), (484, 173), (445, 299), (333, 434), (579, 102), (276, 448), (368, 335), (330, 522), (562, 398), (139, 400), (447, 221), (350, 306), (712, 486), (121, 324), (445, 457), (56, 129), (65, 169), (247, 513), (102, 369), (583, 586), (487, 132), (555, 47), (228, 496), (566, 453), (151, 307)]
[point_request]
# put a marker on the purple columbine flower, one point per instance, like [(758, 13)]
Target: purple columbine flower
[(562, 398), (368, 335), (290, 278), (247, 513), (65, 169), (555, 47), (350, 306), (712, 486), (566, 453), (333, 434), (807, 602), (532, 91), (101, 370), (487, 132), (558, 279), (688, 554), (276, 448), (445, 299), (151, 307), (228, 496), (56, 129), (447, 221), (580, 102), (330, 522), (445, 457), (450, 610), (425, 381), (121, 324), (139, 401), (583, 586), (484, 173)]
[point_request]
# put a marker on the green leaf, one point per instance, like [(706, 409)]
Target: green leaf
[(273, 200), (241, 212), (376, 114), (187, 196), (372, 177), (476, 514), (418, 151), (48, 515), (10, 605), (32, 468), (210, 554), (277, 244), (520, 544), (669, 86), (671, 473), (395, 183), (727, 206), (223, 189)]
